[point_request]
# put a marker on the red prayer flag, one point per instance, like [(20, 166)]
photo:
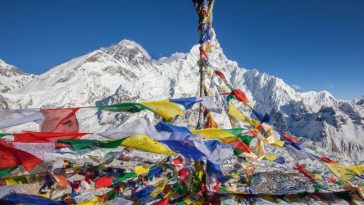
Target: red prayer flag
[(164, 201), (290, 138), (63, 182), (28, 136), (327, 160), (17, 157), (7, 159), (183, 173), (103, 182), (177, 161), (60, 120), (331, 179), (203, 53), (221, 75), (210, 122), (242, 146), (225, 93), (302, 169), (240, 96)]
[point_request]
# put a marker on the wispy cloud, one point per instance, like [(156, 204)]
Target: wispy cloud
[(297, 87)]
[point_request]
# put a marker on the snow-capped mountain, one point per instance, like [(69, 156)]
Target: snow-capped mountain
[(359, 101), (126, 72), (11, 78)]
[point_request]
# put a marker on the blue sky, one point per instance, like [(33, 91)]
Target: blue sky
[(313, 44)]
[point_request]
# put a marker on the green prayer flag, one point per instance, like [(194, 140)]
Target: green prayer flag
[(83, 144), (223, 189), (4, 134), (125, 176), (5, 171), (125, 107), (316, 187), (246, 139), (112, 194), (237, 152), (235, 131), (229, 98), (111, 144)]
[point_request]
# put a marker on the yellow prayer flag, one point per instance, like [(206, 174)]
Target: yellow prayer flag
[(145, 143), (232, 111), (357, 169), (190, 202), (165, 109), (318, 176), (141, 169), (215, 133), (270, 157), (341, 172), (278, 143), (159, 187), (94, 201), (11, 181), (235, 175), (273, 141), (199, 170)]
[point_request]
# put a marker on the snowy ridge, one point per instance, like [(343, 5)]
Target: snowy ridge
[(126, 72), (11, 78)]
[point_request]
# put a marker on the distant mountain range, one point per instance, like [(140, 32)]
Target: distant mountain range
[(126, 72)]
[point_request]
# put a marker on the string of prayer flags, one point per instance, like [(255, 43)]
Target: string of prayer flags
[(31, 137), (140, 142)]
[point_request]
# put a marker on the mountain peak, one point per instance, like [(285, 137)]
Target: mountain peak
[(128, 50), (125, 72), (2, 62), (9, 70), (11, 77), (359, 100)]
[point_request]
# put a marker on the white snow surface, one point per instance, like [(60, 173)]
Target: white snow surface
[(126, 72), (11, 78)]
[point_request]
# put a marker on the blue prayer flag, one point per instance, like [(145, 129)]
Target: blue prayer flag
[(185, 102)]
